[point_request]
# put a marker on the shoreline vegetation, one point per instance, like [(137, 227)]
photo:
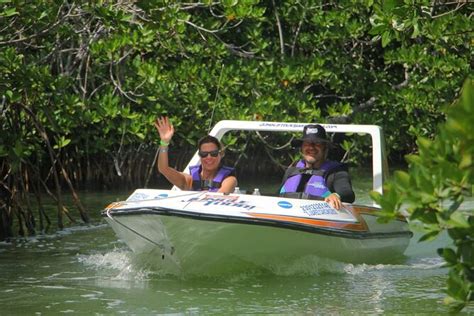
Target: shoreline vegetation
[(82, 83)]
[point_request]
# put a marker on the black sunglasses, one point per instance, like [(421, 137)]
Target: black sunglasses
[(204, 154)]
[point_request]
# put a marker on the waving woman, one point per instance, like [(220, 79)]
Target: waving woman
[(209, 175)]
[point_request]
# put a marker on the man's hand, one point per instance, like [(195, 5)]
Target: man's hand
[(334, 200)]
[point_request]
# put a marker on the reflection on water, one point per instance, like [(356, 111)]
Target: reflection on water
[(85, 269)]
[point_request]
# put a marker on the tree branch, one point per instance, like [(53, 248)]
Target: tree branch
[(19, 40), (280, 31), (459, 6), (405, 82)]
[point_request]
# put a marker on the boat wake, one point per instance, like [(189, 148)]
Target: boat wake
[(117, 264), (124, 265), (424, 264)]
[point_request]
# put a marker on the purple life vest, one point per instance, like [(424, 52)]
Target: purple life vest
[(212, 186), (316, 185)]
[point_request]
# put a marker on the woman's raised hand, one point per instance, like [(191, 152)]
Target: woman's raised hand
[(165, 128)]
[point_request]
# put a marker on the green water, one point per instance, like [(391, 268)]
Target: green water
[(86, 270)]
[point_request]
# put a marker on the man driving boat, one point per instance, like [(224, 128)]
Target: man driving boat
[(314, 176)]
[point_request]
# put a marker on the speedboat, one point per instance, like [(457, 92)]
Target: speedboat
[(187, 231)]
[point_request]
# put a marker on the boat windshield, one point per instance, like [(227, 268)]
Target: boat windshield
[(249, 140)]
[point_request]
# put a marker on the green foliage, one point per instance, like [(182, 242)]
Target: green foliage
[(91, 69), (440, 176)]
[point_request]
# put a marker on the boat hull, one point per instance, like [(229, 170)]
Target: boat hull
[(196, 241)]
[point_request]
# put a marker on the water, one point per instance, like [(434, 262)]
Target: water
[(86, 270)]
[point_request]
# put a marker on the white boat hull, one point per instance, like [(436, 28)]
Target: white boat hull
[(196, 232)]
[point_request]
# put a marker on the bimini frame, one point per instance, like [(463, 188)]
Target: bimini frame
[(379, 161)]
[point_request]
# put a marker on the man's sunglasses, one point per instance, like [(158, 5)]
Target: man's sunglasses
[(204, 154)]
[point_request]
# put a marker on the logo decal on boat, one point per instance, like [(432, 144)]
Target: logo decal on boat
[(285, 204), (213, 200), (114, 205), (138, 197), (317, 185), (160, 196), (271, 124), (318, 209)]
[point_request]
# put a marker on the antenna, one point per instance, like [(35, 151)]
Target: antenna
[(215, 99)]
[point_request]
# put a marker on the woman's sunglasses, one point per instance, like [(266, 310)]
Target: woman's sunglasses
[(204, 154)]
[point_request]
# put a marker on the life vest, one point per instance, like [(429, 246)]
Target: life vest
[(316, 185), (203, 185)]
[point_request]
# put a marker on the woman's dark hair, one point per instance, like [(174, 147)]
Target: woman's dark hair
[(209, 139)]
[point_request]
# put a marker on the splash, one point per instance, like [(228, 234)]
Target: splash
[(117, 264), (424, 264), (309, 265), (124, 265)]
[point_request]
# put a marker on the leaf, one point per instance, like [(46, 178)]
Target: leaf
[(455, 205), (402, 178), (62, 142), (466, 161), (43, 15), (229, 3), (449, 255), (3, 151), (457, 233), (467, 253), (458, 219), (389, 5), (455, 305), (386, 38), (9, 12), (413, 159), (429, 236), (416, 30), (377, 29), (456, 286), (66, 142), (18, 149), (424, 143)]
